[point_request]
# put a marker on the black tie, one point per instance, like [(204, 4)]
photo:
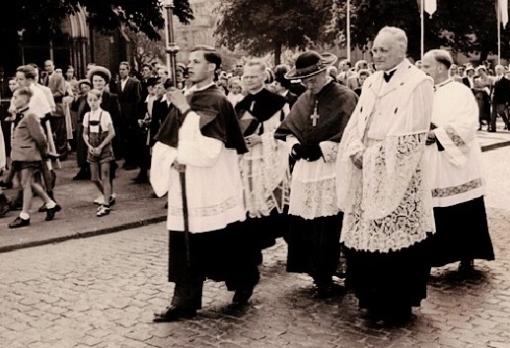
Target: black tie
[(389, 75)]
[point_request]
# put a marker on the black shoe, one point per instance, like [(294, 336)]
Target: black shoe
[(242, 297), (173, 313), (19, 222), (466, 267), (82, 175), (141, 179), (6, 185), (329, 290), (50, 212), (129, 166)]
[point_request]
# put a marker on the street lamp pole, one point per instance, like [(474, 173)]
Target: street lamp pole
[(171, 48)]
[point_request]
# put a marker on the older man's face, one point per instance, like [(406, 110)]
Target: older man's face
[(387, 52)]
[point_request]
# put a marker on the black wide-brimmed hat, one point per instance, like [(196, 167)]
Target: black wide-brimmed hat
[(310, 63)]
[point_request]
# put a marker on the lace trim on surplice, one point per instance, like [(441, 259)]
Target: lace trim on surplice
[(311, 200), (455, 190)]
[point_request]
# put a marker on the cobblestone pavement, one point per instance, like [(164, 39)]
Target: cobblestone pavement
[(102, 291)]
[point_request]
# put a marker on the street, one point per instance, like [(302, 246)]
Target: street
[(102, 292)]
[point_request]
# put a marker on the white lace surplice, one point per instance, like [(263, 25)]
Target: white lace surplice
[(213, 181), (456, 172), (387, 204), (265, 173), (312, 190)]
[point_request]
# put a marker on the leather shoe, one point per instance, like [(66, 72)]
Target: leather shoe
[(242, 296), (7, 185), (141, 180), (82, 175), (50, 212), (173, 313), (19, 222)]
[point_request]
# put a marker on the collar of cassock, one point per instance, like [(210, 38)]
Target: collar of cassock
[(389, 74), (444, 83), (21, 113)]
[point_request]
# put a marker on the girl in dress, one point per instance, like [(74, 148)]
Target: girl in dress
[(98, 133)]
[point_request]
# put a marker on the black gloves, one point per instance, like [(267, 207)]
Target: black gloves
[(307, 152)]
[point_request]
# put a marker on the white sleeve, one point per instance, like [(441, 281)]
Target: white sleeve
[(106, 120), (456, 135), (194, 149), (86, 120), (329, 150), (163, 156)]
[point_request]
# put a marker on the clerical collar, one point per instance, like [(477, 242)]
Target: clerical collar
[(444, 83), (388, 74), (257, 91), (22, 111), (194, 88), (328, 81)]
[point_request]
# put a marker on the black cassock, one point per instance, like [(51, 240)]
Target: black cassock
[(221, 255), (314, 245)]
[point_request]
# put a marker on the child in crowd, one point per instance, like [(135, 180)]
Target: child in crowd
[(234, 95), (29, 150), (98, 134)]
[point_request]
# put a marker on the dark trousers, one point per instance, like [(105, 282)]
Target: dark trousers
[(501, 110), (58, 126), (81, 149), (132, 143)]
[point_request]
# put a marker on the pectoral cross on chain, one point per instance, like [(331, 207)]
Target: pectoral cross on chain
[(315, 116)]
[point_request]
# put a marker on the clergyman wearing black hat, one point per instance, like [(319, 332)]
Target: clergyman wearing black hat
[(313, 130)]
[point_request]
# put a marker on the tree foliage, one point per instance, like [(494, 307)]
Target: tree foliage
[(465, 26), (262, 26), (45, 16)]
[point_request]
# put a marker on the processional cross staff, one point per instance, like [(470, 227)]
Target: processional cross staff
[(171, 50)]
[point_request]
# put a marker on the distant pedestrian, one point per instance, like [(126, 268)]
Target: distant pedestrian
[(98, 133)]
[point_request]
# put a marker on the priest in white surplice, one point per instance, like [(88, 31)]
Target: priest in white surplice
[(264, 168), (382, 188), (454, 157), (201, 131)]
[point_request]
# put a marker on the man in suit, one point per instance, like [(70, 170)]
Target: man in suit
[(500, 98), (56, 83), (129, 91)]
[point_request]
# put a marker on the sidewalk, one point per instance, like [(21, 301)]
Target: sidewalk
[(492, 141), (134, 207)]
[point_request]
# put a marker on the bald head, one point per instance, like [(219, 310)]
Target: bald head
[(436, 64), (389, 48)]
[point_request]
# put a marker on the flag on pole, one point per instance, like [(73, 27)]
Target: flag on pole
[(503, 11), (430, 6)]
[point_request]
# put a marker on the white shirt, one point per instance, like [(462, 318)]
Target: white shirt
[(97, 115), (39, 103), (123, 83)]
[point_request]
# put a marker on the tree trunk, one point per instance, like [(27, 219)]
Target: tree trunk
[(277, 54)]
